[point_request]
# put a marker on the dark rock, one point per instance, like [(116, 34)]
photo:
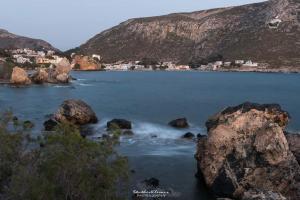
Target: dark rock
[(179, 123), (28, 124), (294, 144), (119, 123), (15, 118), (75, 112), (128, 132), (50, 125), (246, 150), (152, 182), (188, 135), (199, 135), (153, 136)]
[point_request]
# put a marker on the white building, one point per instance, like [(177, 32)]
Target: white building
[(22, 60), (96, 56), (249, 63), (239, 62)]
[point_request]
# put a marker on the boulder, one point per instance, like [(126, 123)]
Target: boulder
[(63, 78), (188, 135), (294, 143), (246, 150), (63, 67), (119, 123), (76, 112), (40, 76), (50, 125), (19, 76), (179, 123)]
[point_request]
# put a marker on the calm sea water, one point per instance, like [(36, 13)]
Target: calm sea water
[(150, 100)]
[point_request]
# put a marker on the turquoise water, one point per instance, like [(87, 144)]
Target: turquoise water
[(150, 100)]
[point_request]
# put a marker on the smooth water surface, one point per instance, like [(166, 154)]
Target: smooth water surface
[(150, 100)]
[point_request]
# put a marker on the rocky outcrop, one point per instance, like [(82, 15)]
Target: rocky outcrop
[(19, 77), (59, 73), (119, 123), (246, 150), (85, 63), (40, 76), (179, 123), (76, 112)]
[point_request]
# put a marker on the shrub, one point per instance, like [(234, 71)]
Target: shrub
[(60, 165)]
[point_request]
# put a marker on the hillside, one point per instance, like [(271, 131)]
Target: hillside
[(241, 32), (11, 41)]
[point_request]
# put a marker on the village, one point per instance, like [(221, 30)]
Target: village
[(27, 57)]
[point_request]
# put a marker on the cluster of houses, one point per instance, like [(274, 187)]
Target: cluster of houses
[(170, 66), (138, 66), (215, 66), (23, 56)]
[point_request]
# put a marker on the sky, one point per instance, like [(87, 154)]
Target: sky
[(68, 23)]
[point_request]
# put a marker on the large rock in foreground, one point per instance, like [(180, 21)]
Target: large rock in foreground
[(76, 112), (19, 76), (246, 150)]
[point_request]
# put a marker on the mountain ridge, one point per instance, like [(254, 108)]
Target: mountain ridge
[(12, 41), (239, 32)]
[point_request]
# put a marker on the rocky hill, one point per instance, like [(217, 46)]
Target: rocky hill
[(11, 41), (267, 32)]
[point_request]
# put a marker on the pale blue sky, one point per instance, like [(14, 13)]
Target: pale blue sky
[(69, 23)]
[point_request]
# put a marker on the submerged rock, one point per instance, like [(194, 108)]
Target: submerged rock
[(76, 112), (19, 76), (119, 123), (179, 123), (246, 149)]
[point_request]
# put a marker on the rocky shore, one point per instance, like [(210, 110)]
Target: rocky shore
[(246, 154), (55, 74)]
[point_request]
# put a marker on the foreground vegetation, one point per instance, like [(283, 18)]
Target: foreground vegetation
[(58, 165)]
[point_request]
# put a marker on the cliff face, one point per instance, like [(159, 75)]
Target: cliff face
[(235, 33), (12, 41)]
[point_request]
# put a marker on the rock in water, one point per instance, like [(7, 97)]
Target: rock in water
[(120, 123), (76, 112), (188, 135), (63, 67), (246, 149), (19, 76), (62, 78), (40, 76), (179, 123)]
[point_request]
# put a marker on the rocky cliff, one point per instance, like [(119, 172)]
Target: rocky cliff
[(12, 41), (246, 154), (266, 32)]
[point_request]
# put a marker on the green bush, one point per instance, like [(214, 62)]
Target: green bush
[(60, 165)]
